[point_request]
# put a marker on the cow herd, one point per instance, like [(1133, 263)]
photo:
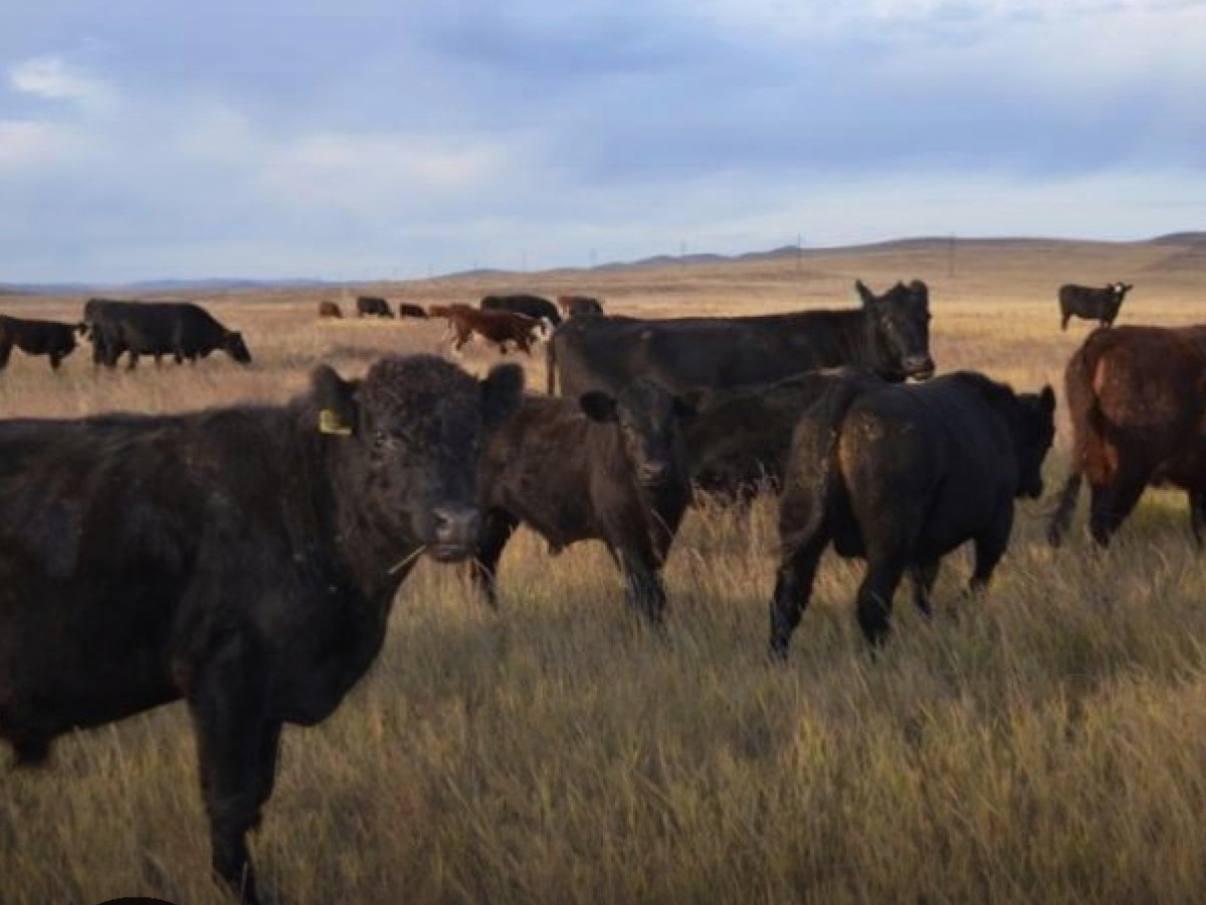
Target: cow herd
[(245, 559)]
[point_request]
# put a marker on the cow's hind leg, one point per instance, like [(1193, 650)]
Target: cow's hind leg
[(793, 587), (30, 749), (496, 530), (56, 359), (875, 596), (1062, 518), (1197, 515), (236, 745), (1112, 503), (923, 575), (990, 547)]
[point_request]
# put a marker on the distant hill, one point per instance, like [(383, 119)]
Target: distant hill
[(1187, 251), (1186, 238)]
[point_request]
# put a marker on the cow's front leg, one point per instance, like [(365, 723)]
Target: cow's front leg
[(236, 747), (646, 594)]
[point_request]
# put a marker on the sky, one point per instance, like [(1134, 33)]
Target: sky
[(359, 140)]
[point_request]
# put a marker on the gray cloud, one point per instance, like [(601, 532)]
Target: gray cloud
[(357, 140)]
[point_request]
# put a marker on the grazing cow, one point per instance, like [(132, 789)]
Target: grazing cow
[(901, 475), (1137, 400), (49, 338), (531, 305), (499, 327), (579, 305), (372, 306), (1091, 303), (888, 334), (329, 309), (244, 559), (180, 329), (601, 467), (739, 440), (406, 309)]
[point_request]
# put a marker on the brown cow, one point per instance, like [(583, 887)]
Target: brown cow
[(329, 309), (407, 309), (1137, 399), (498, 327)]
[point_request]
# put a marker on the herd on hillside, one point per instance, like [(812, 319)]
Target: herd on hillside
[(245, 559)]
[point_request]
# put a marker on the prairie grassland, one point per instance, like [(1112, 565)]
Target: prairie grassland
[(1044, 743)]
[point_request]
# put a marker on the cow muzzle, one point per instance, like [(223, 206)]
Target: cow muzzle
[(920, 367), (455, 529)]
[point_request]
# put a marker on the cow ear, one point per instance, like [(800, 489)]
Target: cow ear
[(690, 403), (335, 399), (598, 406), (867, 296), (1047, 400), (502, 392)]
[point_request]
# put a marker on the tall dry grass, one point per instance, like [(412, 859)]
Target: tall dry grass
[(1045, 743)]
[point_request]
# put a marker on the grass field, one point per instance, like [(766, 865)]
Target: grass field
[(1046, 743)]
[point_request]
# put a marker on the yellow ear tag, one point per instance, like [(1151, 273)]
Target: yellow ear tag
[(329, 423)]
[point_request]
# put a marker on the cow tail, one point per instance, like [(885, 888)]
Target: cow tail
[(1087, 427), (815, 448), (550, 363)]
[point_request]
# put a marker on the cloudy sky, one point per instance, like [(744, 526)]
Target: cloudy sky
[(356, 139)]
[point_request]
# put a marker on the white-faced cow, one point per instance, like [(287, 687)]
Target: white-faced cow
[(244, 559)]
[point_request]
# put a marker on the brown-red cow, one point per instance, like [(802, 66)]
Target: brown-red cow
[(1137, 399), (499, 327), (329, 309)]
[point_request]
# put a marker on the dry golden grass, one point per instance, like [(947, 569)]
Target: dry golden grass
[(1045, 743)]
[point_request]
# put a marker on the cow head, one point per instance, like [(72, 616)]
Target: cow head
[(412, 431), (1121, 289), (1033, 432), (898, 327), (646, 416), (233, 345)]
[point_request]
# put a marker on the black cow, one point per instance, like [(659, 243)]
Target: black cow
[(374, 306), (180, 329), (33, 337), (1091, 303), (889, 335), (531, 305), (579, 305), (901, 475), (244, 559), (739, 440), (406, 309), (601, 467)]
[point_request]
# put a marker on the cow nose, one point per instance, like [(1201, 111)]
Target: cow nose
[(456, 526), (919, 366)]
